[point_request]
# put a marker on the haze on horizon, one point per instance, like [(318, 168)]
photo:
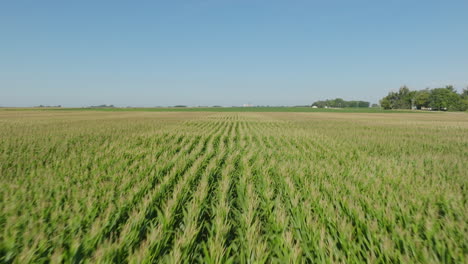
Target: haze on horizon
[(226, 53)]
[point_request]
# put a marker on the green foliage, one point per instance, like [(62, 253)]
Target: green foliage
[(243, 187), (398, 100), (422, 99), (386, 103), (464, 94), (435, 99), (340, 103)]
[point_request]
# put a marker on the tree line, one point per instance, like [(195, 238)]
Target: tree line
[(441, 99), (340, 103)]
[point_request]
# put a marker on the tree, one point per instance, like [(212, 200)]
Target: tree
[(444, 99), (404, 98), (450, 88), (338, 102), (421, 99), (464, 100), (398, 100), (438, 99), (386, 103), (363, 104), (464, 93)]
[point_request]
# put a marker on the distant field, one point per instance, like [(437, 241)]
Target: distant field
[(225, 109), (142, 186)]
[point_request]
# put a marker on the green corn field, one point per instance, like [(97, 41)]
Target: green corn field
[(233, 187)]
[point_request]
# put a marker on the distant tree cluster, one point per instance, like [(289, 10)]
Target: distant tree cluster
[(340, 103), (102, 106), (48, 106), (441, 99)]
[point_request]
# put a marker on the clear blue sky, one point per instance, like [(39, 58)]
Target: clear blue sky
[(226, 52)]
